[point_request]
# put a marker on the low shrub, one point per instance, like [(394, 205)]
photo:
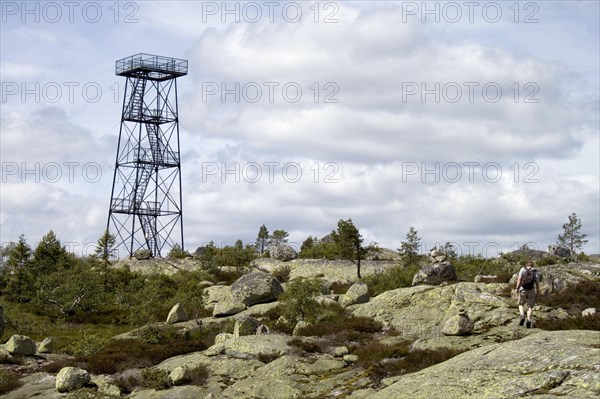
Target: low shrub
[(9, 381), (395, 277), (88, 345), (383, 361), (305, 345), (576, 298), (199, 374), (571, 323), (154, 378), (123, 354)]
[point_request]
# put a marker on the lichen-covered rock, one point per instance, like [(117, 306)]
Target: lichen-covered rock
[(485, 278), (20, 345), (357, 293), (215, 294), (228, 307), (222, 337), (298, 327), (253, 345), (435, 273), (350, 359), (283, 252), (71, 378), (245, 325), (256, 287), (458, 325), (561, 364), (180, 375), (142, 254), (46, 346), (105, 386), (339, 351), (177, 314)]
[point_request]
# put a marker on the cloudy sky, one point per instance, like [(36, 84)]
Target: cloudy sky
[(475, 122)]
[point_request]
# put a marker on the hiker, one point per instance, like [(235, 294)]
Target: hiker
[(528, 286)]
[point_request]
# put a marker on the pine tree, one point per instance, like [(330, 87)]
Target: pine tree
[(409, 249), (105, 249), (279, 237), (572, 237), (262, 239), (349, 243), (18, 265)]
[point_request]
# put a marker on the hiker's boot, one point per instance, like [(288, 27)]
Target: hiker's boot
[(522, 321), (528, 323)]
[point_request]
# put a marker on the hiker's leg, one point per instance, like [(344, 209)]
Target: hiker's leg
[(522, 311), (529, 313)]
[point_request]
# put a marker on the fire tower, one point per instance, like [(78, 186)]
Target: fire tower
[(146, 205)]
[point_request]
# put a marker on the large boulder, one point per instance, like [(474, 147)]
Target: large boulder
[(142, 254), (558, 250), (71, 378), (20, 345), (256, 287), (556, 364), (283, 252), (435, 273), (245, 325), (459, 324), (177, 314), (357, 293), (228, 307)]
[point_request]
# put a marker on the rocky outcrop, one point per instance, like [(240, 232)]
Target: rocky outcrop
[(177, 314), (561, 364), (71, 378), (558, 250), (556, 278), (435, 273), (588, 312), (283, 252), (340, 271), (20, 345), (357, 293), (256, 287), (252, 345)]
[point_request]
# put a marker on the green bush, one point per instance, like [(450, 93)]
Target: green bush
[(571, 323), (88, 345), (469, 266), (576, 298), (395, 277), (298, 301), (305, 345), (154, 378)]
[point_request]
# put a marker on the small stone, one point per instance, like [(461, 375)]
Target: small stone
[(71, 378), (180, 375), (20, 345), (177, 314), (588, 312), (46, 346), (340, 351), (262, 330), (350, 359)]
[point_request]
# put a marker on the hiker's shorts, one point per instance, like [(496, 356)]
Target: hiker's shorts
[(527, 297)]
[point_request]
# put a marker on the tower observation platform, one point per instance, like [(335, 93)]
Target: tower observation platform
[(146, 201), (151, 67)]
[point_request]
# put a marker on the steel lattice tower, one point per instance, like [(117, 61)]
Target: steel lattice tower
[(146, 199)]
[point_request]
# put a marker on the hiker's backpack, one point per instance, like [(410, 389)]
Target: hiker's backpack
[(528, 278)]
